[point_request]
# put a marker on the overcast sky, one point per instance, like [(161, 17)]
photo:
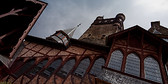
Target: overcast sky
[(65, 14)]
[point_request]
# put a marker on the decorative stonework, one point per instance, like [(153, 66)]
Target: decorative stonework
[(31, 45), (53, 52), (63, 53), (38, 47), (118, 78), (91, 52), (23, 51), (45, 50), (38, 55), (76, 50), (30, 53)]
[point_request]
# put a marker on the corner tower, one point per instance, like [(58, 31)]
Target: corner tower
[(102, 28)]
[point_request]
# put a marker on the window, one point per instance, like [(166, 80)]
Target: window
[(50, 69), (116, 60), (24, 68), (97, 67), (36, 69), (63, 72), (152, 70), (89, 35), (120, 20), (132, 65), (56, 38), (60, 35), (103, 36), (82, 67), (65, 40)]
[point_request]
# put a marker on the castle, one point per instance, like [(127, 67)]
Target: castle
[(105, 54)]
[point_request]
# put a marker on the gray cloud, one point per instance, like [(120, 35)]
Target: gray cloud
[(64, 14)]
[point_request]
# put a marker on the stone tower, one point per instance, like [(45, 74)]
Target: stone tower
[(101, 28)]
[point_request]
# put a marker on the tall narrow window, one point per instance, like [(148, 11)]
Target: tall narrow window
[(24, 68), (97, 67), (36, 69), (63, 72), (116, 60), (50, 69), (82, 67), (133, 65), (152, 70)]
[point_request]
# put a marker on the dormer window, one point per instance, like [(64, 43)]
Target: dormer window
[(63, 36), (60, 37)]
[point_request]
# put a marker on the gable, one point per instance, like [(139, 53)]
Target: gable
[(136, 37)]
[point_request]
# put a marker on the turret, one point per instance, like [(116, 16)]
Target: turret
[(102, 28), (119, 19)]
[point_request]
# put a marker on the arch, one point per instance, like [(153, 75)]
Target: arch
[(97, 66), (37, 68), (116, 60), (133, 65), (63, 72), (152, 70), (24, 68), (82, 67), (51, 68)]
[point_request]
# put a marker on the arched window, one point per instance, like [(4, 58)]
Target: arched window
[(97, 67), (63, 72), (82, 67), (152, 70), (37, 68), (116, 60), (133, 65), (24, 68), (50, 69)]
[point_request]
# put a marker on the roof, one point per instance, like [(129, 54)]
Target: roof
[(16, 20), (71, 31), (140, 29), (75, 42)]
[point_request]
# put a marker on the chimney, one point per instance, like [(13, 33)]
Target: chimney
[(155, 24)]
